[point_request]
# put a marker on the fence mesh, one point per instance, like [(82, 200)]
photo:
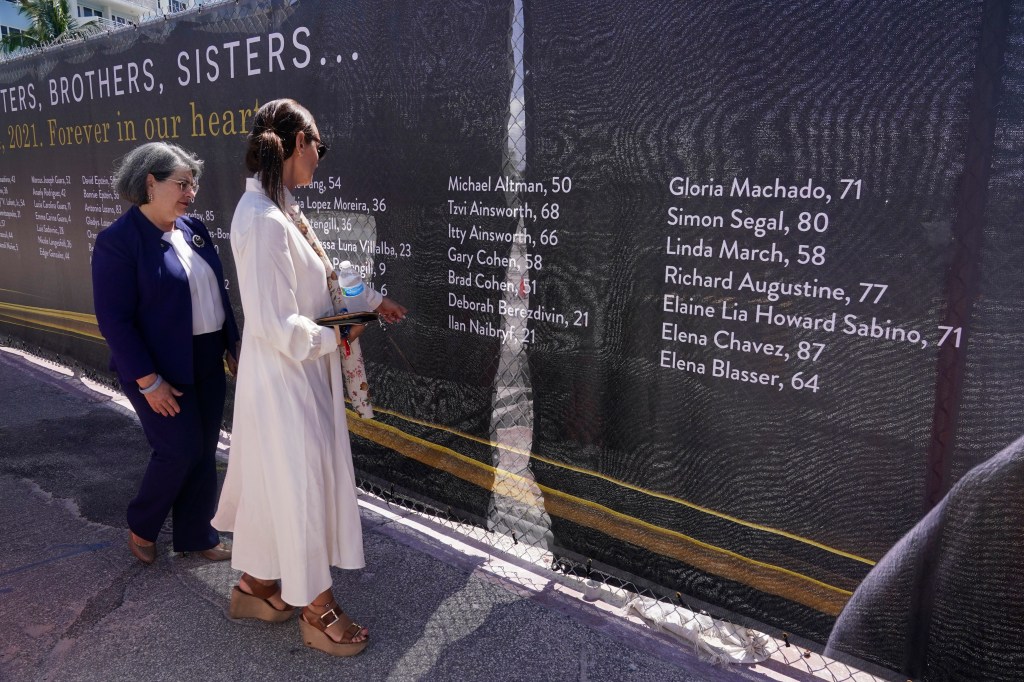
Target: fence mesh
[(102, 27), (526, 403), (492, 422), (710, 633)]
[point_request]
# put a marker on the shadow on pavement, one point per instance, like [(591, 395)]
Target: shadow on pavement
[(74, 604)]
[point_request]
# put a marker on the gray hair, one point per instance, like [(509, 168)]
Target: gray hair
[(159, 158)]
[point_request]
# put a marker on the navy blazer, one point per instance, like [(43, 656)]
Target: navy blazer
[(143, 301)]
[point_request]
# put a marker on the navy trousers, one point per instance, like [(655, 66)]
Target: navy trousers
[(181, 478)]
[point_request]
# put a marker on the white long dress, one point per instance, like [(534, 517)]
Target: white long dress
[(290, 492)]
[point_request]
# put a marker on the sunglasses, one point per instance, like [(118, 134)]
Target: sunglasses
[(321, 148)]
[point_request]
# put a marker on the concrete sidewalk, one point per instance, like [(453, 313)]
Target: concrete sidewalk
[(75, 605)]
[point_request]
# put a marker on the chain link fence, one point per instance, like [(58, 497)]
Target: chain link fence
[(512, 515), (471, 451), (706, 631), (102, 27)]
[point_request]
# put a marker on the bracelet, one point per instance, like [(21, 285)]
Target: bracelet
[(152, 387), (340, 334)]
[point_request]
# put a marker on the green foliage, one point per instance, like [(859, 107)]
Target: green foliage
[(51, 20)]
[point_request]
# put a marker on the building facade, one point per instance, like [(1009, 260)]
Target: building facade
[(107, 13)]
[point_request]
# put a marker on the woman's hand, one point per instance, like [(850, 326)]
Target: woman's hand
[(354, 331), (162, 398), (391, 311), (232, 359)]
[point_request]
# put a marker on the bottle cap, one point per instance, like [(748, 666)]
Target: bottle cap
[(346, 264)]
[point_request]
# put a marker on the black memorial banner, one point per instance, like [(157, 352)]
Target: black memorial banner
[(771, 242), (397, 112), (769, 399), (692, 284)]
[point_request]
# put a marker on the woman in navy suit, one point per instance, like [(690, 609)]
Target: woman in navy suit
[(158, 289)]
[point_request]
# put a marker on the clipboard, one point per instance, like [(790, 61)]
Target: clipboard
[(348, 319)]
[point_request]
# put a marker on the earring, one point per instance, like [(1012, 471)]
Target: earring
[(149, 197)]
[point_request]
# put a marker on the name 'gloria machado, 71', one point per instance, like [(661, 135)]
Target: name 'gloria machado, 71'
[(743, 188)]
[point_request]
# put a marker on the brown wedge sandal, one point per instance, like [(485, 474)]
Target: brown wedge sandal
[(314, 633), (257, 605)]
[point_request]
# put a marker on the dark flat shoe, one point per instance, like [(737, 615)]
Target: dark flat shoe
[(218, 553), (144, 553)]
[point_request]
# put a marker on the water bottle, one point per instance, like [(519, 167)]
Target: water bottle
[(352, 286)]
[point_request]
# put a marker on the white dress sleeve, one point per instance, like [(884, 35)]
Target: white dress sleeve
[(373, 297), (262, 251)]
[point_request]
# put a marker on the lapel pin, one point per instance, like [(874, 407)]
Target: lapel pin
[(198, 241)]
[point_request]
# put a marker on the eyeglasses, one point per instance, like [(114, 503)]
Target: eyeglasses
[(321, 148), (185, 185)]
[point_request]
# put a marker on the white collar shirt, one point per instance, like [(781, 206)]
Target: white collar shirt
[(207, 306)]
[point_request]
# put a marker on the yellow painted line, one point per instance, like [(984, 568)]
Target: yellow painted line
[(21, 293), (763, 576), (52, 331), (483, 475), (635, 488), (87, 326), (81, 324)]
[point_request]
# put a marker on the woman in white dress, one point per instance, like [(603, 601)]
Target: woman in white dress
[(290, 495)]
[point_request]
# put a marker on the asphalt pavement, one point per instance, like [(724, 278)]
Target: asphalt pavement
[(75, 605)]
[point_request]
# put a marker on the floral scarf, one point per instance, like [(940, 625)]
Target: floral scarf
[(352, 364)]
